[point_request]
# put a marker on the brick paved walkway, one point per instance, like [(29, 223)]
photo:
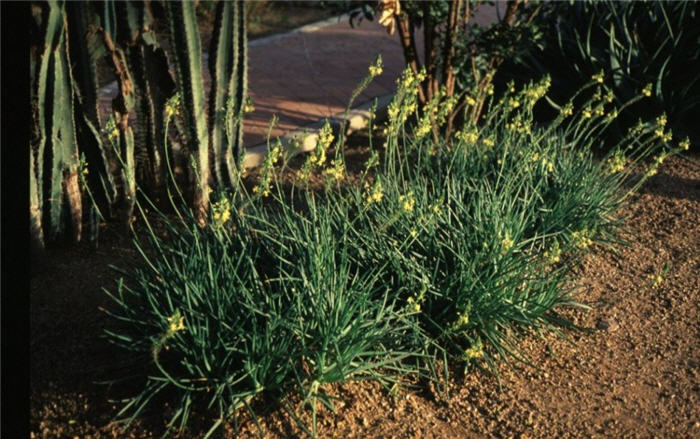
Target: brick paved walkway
[(308, 75)]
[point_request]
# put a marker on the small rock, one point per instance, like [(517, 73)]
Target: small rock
[(607, 325)]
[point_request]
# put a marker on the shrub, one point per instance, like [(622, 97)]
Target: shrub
[(635, 43), (442, 251)]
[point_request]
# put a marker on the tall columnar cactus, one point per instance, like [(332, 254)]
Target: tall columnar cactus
[(121, 134), (69, 41), (187, 56), (228, 66), (55, 161), (86, 47), (154, 86)]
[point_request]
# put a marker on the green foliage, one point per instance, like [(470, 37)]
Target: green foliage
[(634, 43), (440, 251)]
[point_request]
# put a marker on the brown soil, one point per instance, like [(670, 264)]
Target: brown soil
[(636, 373)]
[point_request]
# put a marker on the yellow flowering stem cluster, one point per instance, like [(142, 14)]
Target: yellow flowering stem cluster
[(410, 81), (221, 212), (506, 243), (469, 135), (462, 320), (518, 126), (413, 305), (248, 107), (660, 124), (374, 193), (581, 239), (318, 157), (376, 69), (176, 323), (553, 255), (266, 173), (616, 163), (111, 130), (172, 106), (335, 173), (407, 202), (475, 352)]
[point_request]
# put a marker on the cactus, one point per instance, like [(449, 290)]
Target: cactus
[(187, 56), (56, 192), (228, 65), (122, 104), (154, 86), (86, 48), (68, 41)]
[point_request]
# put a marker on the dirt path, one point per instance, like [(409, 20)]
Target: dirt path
[(637, 374)]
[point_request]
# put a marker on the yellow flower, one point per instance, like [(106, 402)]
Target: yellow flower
[(376, 193), (470, 101), (335, 173), (114, 134), (248, 107), (616, 163), (658, 279), (587, 113), (172, 106), (685, 144), (221, 211), (599, 77), (581, 239), (176, 323), (513, 103), (660, 158), (376, 69), (475, 352), (414, 233), (668, 137), (553, 255), (568, 110), (646, 91), (423, 127), (488, 142), (470, 136), (506, 243), (462, 320), (661, 120), (407, 201), (548, 165), (414, 305)]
